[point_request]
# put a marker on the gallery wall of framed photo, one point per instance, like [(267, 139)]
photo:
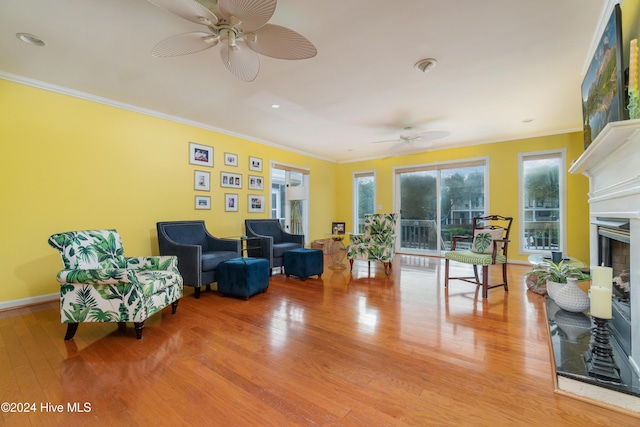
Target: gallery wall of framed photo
[(231, 177)]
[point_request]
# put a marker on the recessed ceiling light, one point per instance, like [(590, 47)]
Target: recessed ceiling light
[(275, 105), (30, 39), (426, 65)]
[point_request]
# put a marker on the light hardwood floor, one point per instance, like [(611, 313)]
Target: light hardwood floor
[(354, 349)]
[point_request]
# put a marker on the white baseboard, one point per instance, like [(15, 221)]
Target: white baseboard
[(5, 305)]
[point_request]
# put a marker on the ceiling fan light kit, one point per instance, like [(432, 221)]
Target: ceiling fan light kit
[(241, 26)]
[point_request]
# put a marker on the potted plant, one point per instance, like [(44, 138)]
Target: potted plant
[(549, 277)]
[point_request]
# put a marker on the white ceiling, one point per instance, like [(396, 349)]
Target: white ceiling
[(500, 63)]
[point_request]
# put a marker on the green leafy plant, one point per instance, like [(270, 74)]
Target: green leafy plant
[(549, 271)]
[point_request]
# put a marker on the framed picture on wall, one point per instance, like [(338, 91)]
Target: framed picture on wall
[(255, 164), (202, 181), (231, 202), (200, 154), (256, 182), (255, 203), (203, 202), (230, 180), (231, 159)]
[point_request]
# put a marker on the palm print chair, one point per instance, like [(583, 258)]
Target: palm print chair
[(100, 284), (377, 243), (489, 243)]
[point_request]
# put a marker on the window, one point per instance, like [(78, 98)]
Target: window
[(541, 180), (364, 191), (438, 201)]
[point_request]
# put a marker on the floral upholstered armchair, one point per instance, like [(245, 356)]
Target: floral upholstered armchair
[(99, 284), (378, 243)]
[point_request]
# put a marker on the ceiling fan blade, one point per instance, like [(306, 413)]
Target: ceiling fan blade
[(252, 14), (431, 135), (387, 140), (190, 10), (400, 146), (184, 44), (281, 43), (240, 61)]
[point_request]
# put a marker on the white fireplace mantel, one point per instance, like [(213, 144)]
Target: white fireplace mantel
[(612, 163)]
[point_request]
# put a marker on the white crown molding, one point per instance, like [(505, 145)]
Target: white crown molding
[(123, 106)]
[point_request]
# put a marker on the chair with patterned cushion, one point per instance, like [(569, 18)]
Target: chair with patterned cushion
[(489, 244), (99, 284), (377, 243)]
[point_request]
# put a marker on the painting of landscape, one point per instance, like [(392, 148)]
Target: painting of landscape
[(602, 94)]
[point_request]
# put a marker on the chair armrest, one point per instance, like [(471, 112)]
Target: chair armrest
[(355, 239), (293, 238), (189, 260), (455, 239), (217, 244), (112, 276), (143, 263)]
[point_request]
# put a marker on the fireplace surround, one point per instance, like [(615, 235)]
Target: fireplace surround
[(611, 164)]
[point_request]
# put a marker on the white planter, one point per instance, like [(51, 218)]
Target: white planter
[(553, 288)]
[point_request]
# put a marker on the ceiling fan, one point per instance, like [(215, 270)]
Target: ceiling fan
[(410, 139), (241, 28)]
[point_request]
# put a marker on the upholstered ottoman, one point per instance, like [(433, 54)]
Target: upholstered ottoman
[(243, 277), (303, 262)]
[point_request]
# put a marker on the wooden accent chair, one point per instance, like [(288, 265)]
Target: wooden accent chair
[(99, 284), (489, 243)]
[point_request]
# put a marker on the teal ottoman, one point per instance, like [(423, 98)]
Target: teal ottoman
[(303, 262), (243, 277)]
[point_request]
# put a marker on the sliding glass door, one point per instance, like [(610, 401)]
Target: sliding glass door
[(436, 202)]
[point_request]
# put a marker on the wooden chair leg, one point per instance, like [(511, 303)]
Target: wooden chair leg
[(387, 268), (197, 293), (485, 281), (504, 277), (446, 272), (122, 326), (351, 265), (475, 273), (174, 307), (139, 326), (71, 331)]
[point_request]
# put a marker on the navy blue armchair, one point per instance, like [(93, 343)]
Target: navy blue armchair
[(198, 252), (275, 240)]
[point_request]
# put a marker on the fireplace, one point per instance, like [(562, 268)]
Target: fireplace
[(614, 250), (610, 163)]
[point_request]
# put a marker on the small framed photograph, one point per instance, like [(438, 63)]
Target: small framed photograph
[(337, 227), (255, 164), (202, 181), (203, 202), (200, 154), (231, 159), (231, 202), (230, 180), (255, 203), (256, 182)]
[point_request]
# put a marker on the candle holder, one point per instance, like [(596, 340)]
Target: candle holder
[(599, 357)]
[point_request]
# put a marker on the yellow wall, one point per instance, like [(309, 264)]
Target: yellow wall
[(70, 164), (503, 183)]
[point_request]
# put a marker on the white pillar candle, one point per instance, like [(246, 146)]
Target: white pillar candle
[(602, 276), (601, 302)]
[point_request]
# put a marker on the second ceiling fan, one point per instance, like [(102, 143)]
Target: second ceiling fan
[(242, 31)]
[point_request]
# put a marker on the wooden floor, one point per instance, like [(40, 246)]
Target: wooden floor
[(354, 349)]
